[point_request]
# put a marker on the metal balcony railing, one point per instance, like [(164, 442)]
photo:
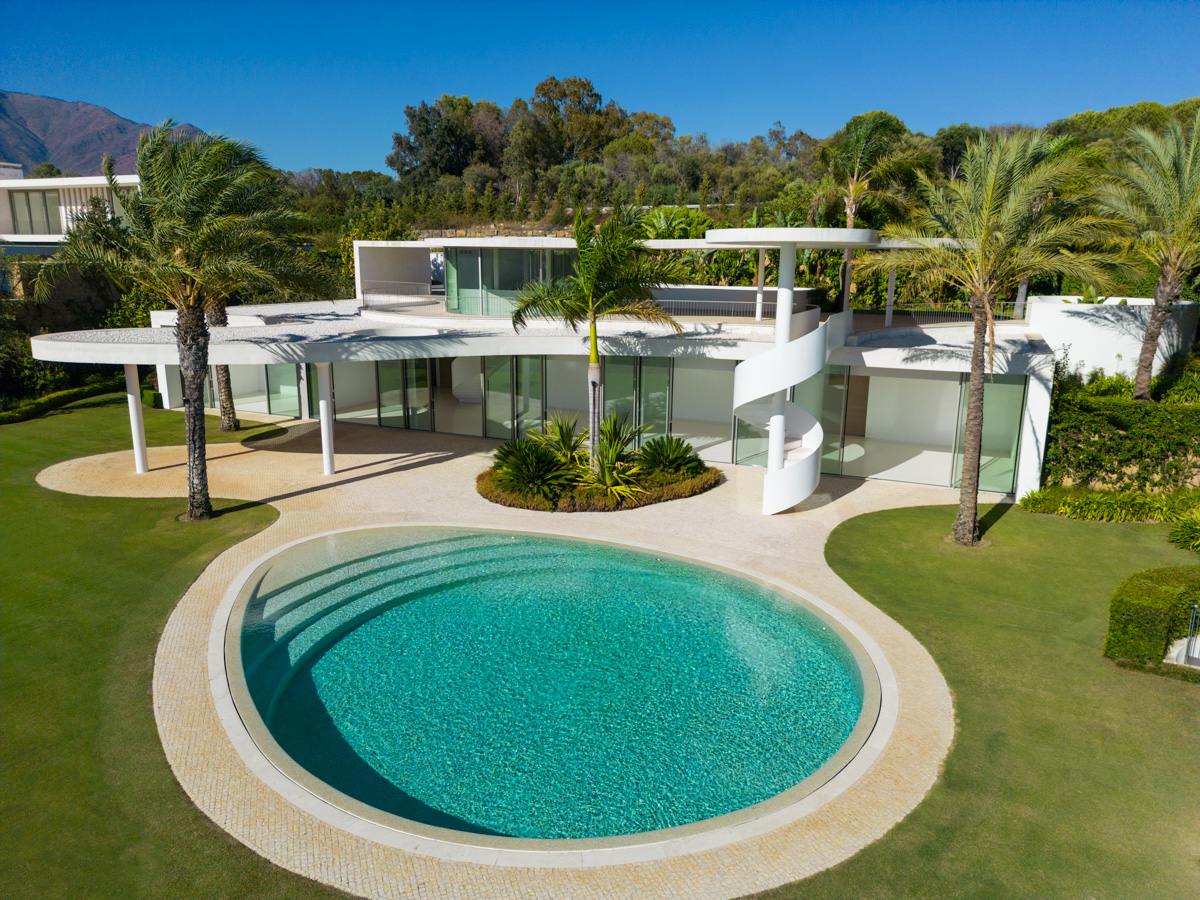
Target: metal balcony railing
[(718, 309)]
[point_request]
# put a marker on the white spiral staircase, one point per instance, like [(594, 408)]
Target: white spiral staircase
[(759, 393)]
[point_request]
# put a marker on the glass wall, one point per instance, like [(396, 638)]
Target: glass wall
[(458, 395), (391, 393), (654, 396), (484, 280), (567, 388), (497, 396), (249, 385), (283, 389), (702, 406), (355, 393), (35, 212), (620, 387), (1003, 405), (529, 398), (418, 398)]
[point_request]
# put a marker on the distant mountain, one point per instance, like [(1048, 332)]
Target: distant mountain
[(72, 135)]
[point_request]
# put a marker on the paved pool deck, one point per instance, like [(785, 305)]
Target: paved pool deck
[(396, 477)]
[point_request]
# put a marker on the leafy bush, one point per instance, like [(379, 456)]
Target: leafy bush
[(655, 489), (33, 408), (527, 467), (1120, 444), (1186, 532), (1148, 611), (1180, 382), (549, 470), (560, 435), (668, 453), (1112, 506)]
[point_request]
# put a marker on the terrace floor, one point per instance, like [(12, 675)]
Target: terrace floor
[(389, 477)]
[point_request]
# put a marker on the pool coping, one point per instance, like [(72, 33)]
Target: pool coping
[(271, 764)]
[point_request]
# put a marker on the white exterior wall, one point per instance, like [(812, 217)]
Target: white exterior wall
[(1108, 336), (395, 270)]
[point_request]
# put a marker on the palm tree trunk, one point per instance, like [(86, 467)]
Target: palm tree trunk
[(219, 318), (966, 523), (1164, 293), (594, 393), (191, 339), (846, 272)]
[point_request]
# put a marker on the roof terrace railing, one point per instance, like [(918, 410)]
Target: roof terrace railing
[(381, 292), (718, 309), (908, 315)]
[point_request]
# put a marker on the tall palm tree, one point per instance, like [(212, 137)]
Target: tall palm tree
[(207, 219), (614, 276), (1155, 191), (867, 169), (1018, 210)]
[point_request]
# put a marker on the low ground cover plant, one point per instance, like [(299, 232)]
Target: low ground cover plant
[(1114, 506), (550, 470)]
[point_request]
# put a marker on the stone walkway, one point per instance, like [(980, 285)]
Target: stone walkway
[(393, 477)]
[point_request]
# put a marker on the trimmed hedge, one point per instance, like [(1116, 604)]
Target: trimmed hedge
[(31, 409), (1120, 444), (1113, 506), (1149, 611), (659, 488)]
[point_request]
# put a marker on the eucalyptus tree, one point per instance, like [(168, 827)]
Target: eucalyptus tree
[(208, 219), (1019, 210), (1155, 192), (867, 167), (614, 276)]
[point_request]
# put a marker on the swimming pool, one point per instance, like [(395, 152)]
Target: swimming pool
[(517, 687)]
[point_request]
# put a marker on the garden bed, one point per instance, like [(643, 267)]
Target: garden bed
[(584, 499)]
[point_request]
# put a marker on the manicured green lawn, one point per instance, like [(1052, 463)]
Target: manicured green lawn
[(87, 801), (1069, 777)]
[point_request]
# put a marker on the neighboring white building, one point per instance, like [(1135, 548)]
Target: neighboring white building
[(40, 211), (757, 377)]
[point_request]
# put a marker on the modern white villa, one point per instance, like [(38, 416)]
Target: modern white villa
[(757, 377)]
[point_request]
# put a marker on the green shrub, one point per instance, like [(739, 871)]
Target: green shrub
[(527, 467), (1186, 532), (560, 435), (1121, 444), (1148, 611), (1113, 506), (656, 488), (668, 453), (1180, 382), (31, 409), (487, 487)]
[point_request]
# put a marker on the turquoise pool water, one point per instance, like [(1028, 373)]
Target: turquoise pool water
[(537, 687)]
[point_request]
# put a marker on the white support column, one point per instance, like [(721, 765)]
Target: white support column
[(762, 272), (133, 396), (325, 402), (891, 298), (776, 427)]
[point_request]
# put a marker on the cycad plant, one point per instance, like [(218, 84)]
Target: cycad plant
[(207, 220), (614, 276), (1017, 211), (1155, 192)]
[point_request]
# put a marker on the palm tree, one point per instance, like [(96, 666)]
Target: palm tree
[(1018, 210), (207, 220), (1155, 192), (614, 276), (866, 170)]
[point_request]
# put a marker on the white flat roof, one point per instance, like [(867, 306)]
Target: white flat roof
[(816, 238), (26, 184)]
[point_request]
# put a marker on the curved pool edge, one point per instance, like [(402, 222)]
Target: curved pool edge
[(272, 766)]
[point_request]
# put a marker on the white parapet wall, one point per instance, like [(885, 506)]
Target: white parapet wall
[(1108, 336)]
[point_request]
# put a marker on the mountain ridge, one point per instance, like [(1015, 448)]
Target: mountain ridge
[(71, 134)]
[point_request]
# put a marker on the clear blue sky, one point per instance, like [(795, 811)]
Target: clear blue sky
[(326, 85)]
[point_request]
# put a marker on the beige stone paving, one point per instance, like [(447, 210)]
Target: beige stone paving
[(389, 476)]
